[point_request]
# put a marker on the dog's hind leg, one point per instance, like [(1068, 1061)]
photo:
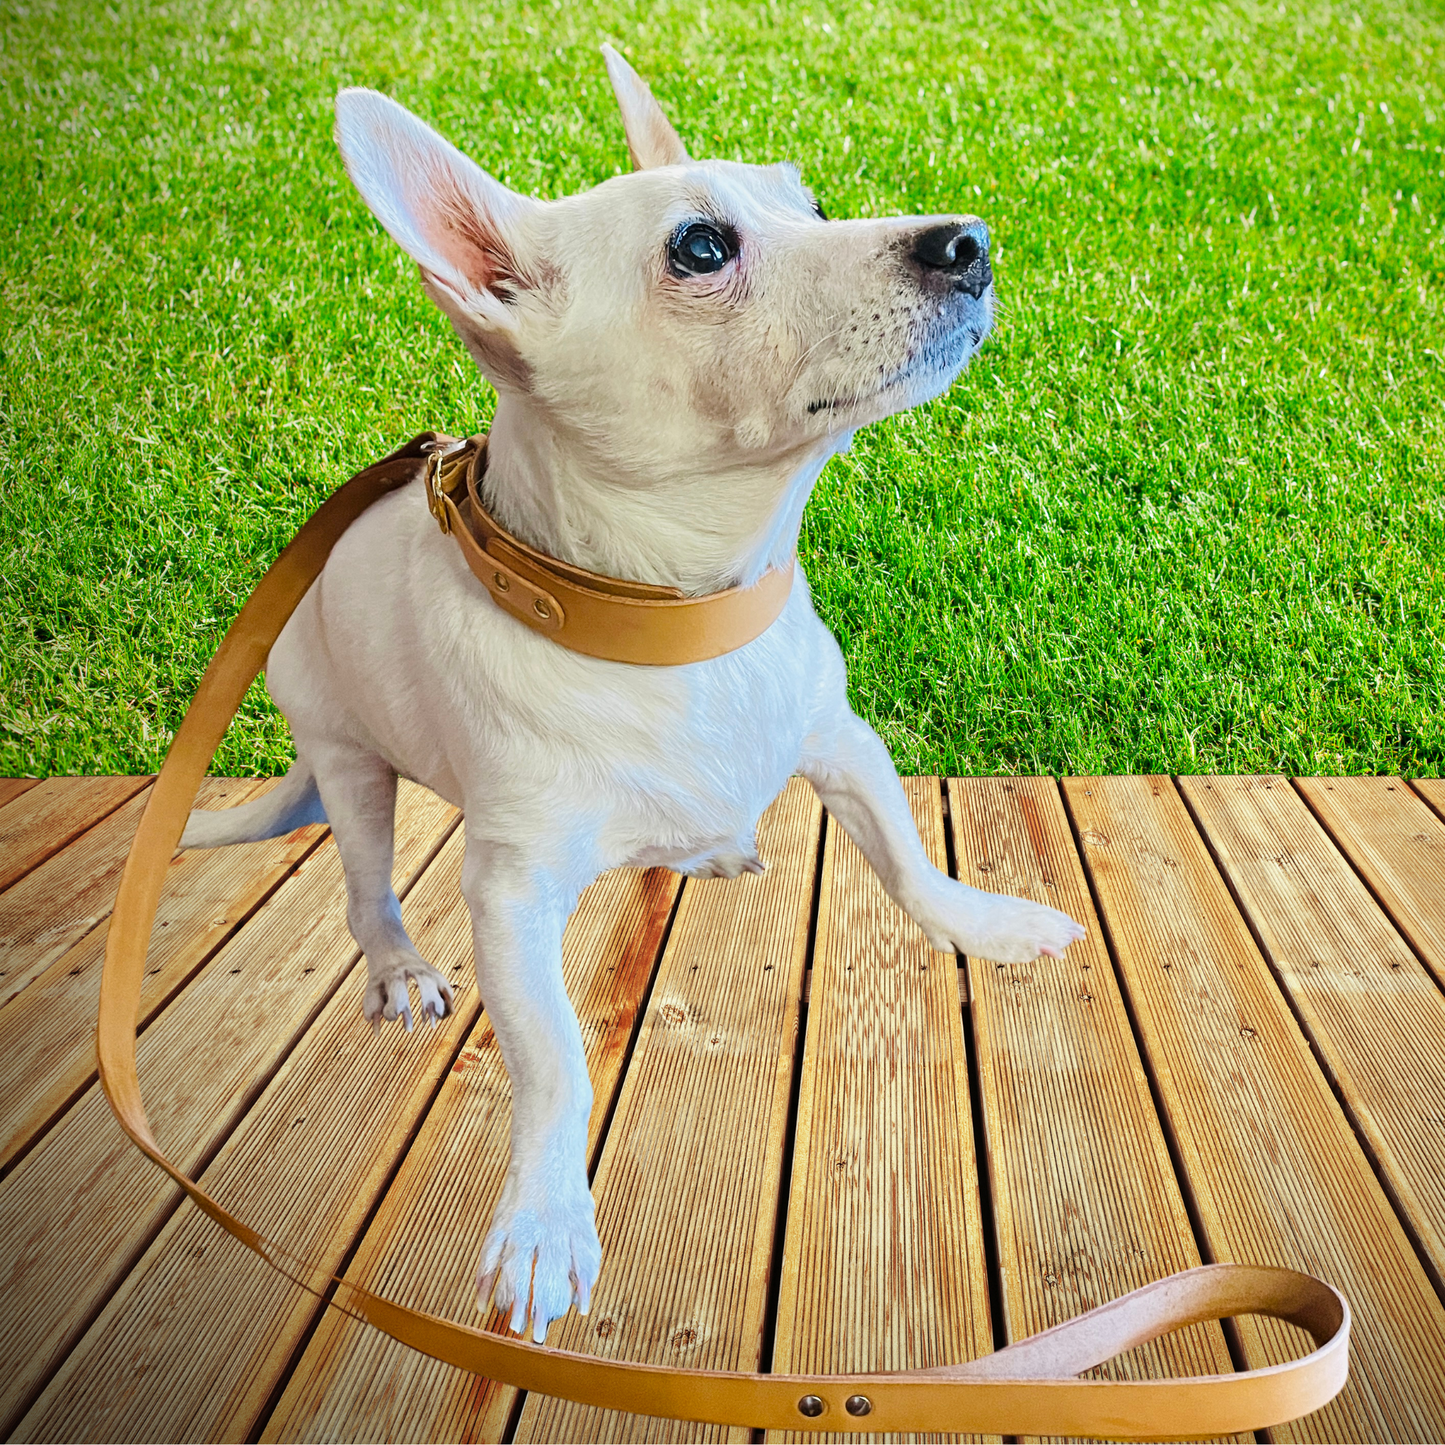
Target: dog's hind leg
[(542, 1250), (852, 773), (292, 803), (358, 789)]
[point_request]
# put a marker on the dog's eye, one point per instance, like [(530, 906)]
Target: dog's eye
[(818, 210), (700, 249)]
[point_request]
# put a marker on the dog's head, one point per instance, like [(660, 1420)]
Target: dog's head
[(696, 309)]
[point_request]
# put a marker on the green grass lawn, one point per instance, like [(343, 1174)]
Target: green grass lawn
[(1185, 513)]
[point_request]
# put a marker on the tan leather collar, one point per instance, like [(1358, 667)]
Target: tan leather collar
[(602, 616)]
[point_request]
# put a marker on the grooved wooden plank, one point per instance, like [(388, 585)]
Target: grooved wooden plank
[(1276, 1174), (1433, 791), (687, 1189), (1085, 1202), (49, 1054), (65, 895), (85, 1195), (1398, 845), (194, 1343), (883, 1262), (11, 788), (43, 819), (355, 1383), (1375, 1016)]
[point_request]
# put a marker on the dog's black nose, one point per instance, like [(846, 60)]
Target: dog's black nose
[(959, 249)]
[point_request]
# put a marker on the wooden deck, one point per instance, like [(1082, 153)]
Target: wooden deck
[(817, 1145)]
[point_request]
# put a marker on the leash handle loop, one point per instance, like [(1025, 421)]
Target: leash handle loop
[(1027, 1389)]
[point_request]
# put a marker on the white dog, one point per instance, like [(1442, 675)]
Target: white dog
[(676, 353)]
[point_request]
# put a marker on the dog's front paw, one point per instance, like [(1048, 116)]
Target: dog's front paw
[(727, 863), (540, 1255), (996, 927), (387, 996)]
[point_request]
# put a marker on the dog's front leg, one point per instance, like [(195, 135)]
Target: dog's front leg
[(358, 791), (542, 1250), (855, 778)]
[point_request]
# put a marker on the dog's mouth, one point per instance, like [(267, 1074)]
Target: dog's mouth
[(923, 364), (860, 399), (942, 345), (841, 403)]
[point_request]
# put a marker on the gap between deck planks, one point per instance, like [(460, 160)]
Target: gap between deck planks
[(883, 1259), (1374, 1015), (67, 891), (1085, 1199), (1398, 845), (352, 1382), (11, 788), (303, 1167), (37, 822), (1078, 1205), (687, 1188)]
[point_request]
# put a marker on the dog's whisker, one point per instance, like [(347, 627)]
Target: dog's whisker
[(816, 345)]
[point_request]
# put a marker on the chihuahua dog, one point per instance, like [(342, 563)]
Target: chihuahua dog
[(676, 353)]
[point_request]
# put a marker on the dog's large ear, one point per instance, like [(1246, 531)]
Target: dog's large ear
[(441, 208), (650, 136)]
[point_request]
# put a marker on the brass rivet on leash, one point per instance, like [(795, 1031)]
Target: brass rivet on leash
[(541, 608), (503, 583), (811, 1406), (858, 1405)]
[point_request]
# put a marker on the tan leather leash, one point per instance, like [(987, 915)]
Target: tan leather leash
[(1026, 1389)]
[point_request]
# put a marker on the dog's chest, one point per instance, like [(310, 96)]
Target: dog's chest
[(688, 792), (679, 764), (668, 766)]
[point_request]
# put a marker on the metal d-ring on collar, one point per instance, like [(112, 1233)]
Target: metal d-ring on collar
[(437, 453)]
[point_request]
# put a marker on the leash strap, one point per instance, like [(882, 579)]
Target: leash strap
[(601, 616), (1027, 1389)]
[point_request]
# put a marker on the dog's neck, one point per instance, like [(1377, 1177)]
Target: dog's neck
[(698, 531)]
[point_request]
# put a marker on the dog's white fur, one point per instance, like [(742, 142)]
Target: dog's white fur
[(649, 425)]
